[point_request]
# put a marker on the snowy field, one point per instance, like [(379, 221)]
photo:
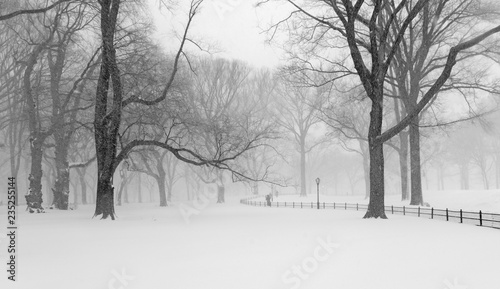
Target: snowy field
[(235, 246)]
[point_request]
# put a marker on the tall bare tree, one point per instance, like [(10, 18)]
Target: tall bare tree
[(298, 106), (373, 37)]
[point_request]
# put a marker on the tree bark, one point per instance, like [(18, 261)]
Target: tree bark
[(34, 198), (303, 192), (376, 206), (403, 165), (61, 186), (161, 179), (415, 165), (104, 201), (107, 121)]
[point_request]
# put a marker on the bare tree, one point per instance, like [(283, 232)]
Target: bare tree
[(25, 11), (298, 106), (160, 165), (373, 37)]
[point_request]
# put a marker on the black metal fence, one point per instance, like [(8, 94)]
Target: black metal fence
[(460, 216)]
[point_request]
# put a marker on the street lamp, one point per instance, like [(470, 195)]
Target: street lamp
[(317, 186)]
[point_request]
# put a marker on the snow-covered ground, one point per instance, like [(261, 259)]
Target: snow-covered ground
[(485, 200), (237, 246)]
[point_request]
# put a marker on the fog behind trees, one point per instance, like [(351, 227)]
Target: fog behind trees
[(95, 109)]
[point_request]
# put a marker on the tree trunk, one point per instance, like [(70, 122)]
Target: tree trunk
[(169, 192), (303, 192), (104, 200), (403, 165), (220, 194), (484, 172), (61, 186), (464, 176), (34, 198), (403, 140), (107, 120), (120, 192), (164, 199), (255, 188), (139, 189), (15, 135), (83, 184), (75, 193), (376, 206), (125, 195), (416, 176)]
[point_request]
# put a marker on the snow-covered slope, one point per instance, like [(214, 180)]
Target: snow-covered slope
[(237, 246)]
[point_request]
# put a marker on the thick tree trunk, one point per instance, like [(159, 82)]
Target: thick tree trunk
[(104, 200), (416, 176), (107, 120), (61, 186), (376, 206), (403, 165), (34, 198), (303, 191)]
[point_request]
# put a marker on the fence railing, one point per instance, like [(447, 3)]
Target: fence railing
[(490, 220)]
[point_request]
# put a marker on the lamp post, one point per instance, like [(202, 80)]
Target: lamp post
[(317, 186)]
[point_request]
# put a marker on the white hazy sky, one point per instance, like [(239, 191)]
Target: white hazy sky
[(233, 27)]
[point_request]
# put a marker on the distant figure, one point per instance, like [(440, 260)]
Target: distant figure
[(268, 199), (276, 193)]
